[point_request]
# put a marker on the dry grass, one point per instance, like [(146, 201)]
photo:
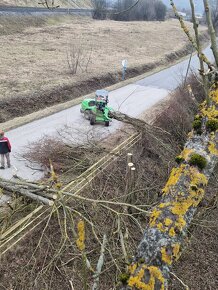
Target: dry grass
[(34, 3), (36, 59)]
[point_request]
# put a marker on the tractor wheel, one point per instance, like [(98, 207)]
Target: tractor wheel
[(87, 114), (92, 120), (107, 123)]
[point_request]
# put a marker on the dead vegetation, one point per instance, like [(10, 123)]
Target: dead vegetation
[(54, 261), (64, 155)]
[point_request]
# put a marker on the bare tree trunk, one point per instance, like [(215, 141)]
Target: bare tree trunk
[(211, 31), (195, 26)]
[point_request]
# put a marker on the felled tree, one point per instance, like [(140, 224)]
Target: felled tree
[(184, 190)]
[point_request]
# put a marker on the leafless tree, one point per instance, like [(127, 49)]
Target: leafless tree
[(143, 10), (99, 9), (79, 58)]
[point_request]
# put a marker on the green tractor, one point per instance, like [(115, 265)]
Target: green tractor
[(96, 110)]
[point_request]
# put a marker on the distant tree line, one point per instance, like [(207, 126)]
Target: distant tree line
[(145, 10)]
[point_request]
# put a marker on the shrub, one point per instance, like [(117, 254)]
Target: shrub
[(198, 160), (212, 125)]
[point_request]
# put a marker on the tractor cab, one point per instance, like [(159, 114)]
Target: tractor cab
[(101, 99), (96, 110)]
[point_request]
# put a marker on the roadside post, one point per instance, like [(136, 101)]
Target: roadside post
[(124, 65)]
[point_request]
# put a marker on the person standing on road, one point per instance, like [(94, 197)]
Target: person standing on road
[(5, 149)]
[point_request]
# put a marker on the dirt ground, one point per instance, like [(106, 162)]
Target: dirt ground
[(35, 71)]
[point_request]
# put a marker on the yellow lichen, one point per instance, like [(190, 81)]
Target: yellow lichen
[(181, 207), (172, 232), (168, 222), (211, 112), (160, 226), (167, 258), (176, 249), (180, 223), (155, 272), (81, 235), (132, 268), (153, 217), (197, 178), (174, 177), (214, 96), (212, 148), (136, 278), (163, 205), (186, 153)]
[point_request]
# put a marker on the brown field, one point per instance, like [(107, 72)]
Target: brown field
[(35, 54), (37, 58)]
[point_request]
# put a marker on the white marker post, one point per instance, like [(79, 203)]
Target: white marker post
[(124, 64)]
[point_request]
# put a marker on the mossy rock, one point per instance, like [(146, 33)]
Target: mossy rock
[(198, 160), (212, 125)]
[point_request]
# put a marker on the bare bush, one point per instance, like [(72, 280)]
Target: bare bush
[(178, 116), (79, 58), (64, 157)]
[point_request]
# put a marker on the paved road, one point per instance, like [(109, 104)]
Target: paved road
[(12, 10), (132, 99)]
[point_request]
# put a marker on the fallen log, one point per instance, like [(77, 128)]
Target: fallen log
[(170, 220), (40, 193)]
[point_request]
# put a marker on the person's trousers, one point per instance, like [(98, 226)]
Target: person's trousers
[(7, 157)]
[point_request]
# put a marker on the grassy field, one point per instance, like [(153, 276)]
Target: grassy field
[(38, 53), (38, 57)]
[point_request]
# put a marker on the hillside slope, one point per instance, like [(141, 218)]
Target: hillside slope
[(33, 3)]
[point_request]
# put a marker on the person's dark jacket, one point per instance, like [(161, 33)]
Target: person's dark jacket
[(5, 145)]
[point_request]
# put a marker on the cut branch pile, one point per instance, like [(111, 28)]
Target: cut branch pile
[(169, 221), (40, 193)]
